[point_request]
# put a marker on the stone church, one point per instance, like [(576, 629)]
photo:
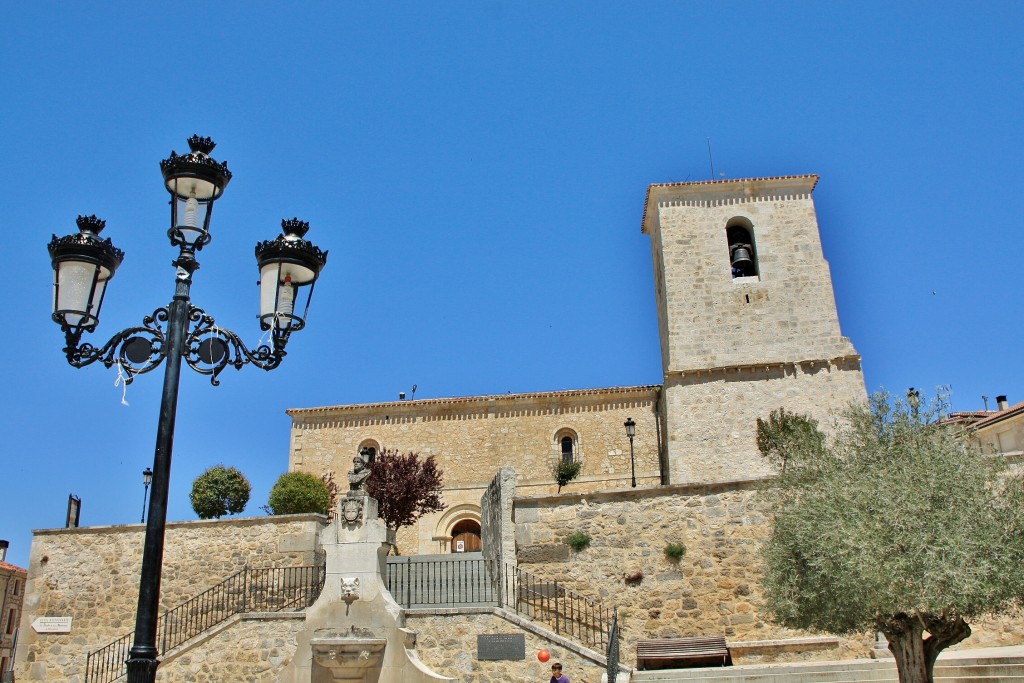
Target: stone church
[(748, 324)]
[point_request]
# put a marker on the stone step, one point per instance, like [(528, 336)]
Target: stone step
[(974, 670), (979, 670), (953, 660), (768, 673)]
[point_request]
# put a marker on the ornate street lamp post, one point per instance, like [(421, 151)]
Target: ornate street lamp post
[(147, 479), (631, 432), (84, 263)]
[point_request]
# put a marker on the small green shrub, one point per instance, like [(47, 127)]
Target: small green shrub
[(566, 471), (578, 540), (219, 491), (299, 492), (675, 551)]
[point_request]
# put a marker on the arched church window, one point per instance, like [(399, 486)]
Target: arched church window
[(567, 449), (742, 254), (568, 445), (369, 450)]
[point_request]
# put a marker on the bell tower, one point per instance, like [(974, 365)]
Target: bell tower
[(747, 317)]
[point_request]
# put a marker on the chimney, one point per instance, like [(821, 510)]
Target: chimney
[(4, 545), (1001, 402)]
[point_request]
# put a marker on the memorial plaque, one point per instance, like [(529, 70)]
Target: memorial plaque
[(499, 646)]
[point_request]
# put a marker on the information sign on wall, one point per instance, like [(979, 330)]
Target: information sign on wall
[(52, 625)]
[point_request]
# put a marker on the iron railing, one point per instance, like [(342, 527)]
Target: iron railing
[(420, 582), (568, 613), (612, 669), (443, 582), (249, 590)]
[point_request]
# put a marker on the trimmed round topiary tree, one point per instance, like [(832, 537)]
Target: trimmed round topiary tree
[(297, 493), (219, 491)]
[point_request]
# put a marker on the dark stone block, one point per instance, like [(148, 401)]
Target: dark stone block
[(551, 552)]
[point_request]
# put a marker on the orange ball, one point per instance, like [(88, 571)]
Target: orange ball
[(543, 655)]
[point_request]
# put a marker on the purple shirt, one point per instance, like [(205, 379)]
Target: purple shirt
[(560, 678)]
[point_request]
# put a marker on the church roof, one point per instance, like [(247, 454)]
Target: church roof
[(723, 186), (475, 399)]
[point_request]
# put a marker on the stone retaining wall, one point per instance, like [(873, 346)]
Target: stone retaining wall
[(254, 649), (92, 574), (714, 589), (447, 644)]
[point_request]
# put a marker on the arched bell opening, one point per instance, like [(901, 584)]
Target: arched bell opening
[(742, 253), (369, 449)]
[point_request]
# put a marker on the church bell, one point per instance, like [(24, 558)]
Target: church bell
[(741, 257)]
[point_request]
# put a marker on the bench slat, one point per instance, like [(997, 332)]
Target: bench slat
[(698, 649)]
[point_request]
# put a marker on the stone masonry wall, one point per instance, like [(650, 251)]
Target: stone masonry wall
[(733, 349), (712, 416), (714, 589), (91, 574), (12, 594), (786, 312), (498, 534), (472, 437), (253, 649), (447, 644)]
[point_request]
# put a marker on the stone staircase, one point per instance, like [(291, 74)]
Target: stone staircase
[(995, 665)]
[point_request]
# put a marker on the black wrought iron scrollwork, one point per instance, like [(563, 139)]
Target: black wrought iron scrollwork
[(136, 350), (208, 348)]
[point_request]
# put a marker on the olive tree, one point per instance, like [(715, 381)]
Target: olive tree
[(219, 491), (897, 524)]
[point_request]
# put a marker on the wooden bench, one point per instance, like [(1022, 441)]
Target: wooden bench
[(679, 653)]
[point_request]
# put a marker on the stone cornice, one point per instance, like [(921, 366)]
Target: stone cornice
[(766, 365), (643, 492), (723, 192), (504, 401), (227, 521)]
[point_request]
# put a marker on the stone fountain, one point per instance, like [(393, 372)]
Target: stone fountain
[(355, 631)]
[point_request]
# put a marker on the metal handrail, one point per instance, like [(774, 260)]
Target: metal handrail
[(457, 581), (580, 617), (416, 582), (248, 590)]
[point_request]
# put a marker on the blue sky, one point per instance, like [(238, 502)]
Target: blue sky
[(477, 171)]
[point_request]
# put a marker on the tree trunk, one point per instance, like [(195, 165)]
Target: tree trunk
[(915, 655)]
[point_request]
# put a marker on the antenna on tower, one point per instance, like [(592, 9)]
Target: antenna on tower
[(711, 160)]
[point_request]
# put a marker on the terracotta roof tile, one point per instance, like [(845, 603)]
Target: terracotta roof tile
[(999, 415), (13, 568)]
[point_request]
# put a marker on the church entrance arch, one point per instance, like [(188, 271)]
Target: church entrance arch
[(459, 523), (466, 536)]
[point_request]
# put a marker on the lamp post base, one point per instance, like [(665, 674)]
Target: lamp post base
[(142, 670)]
